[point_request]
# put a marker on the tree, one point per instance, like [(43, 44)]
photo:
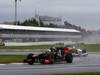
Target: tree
[(41, 24), (30, 22), (52, 25)]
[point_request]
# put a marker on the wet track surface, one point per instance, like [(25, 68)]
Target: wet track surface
[(91, 63)]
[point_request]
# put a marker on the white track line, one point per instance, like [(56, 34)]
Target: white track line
[(2, 64), (17, 63)]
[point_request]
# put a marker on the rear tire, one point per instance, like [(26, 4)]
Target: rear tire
[(69, 58)]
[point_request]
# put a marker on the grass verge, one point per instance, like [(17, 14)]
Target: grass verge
[(5, 59), (26, 47), (89, 47), (86, 73)]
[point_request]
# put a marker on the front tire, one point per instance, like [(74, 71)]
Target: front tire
[(30, 59), (30, 56), (30, 62)]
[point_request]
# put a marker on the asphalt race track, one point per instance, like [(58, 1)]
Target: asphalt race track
[(91, 63)]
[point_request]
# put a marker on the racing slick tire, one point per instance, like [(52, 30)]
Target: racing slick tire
[(30, 59), (30, 56), (69, 58), (25, 61)]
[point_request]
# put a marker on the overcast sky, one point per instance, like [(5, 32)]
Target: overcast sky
[(85, 13)]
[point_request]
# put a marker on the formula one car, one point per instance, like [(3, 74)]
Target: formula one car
[(79, 52), (54, 55)]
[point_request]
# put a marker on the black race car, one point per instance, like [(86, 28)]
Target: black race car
[(54, 55)]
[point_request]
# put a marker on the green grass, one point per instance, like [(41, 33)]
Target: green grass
[(89, 47), (11, 58), (25, 47), (86, 73)]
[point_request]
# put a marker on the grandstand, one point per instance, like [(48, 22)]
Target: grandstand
[(25, 34)]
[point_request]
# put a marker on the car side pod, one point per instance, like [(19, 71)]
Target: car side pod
[(46, 61)]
